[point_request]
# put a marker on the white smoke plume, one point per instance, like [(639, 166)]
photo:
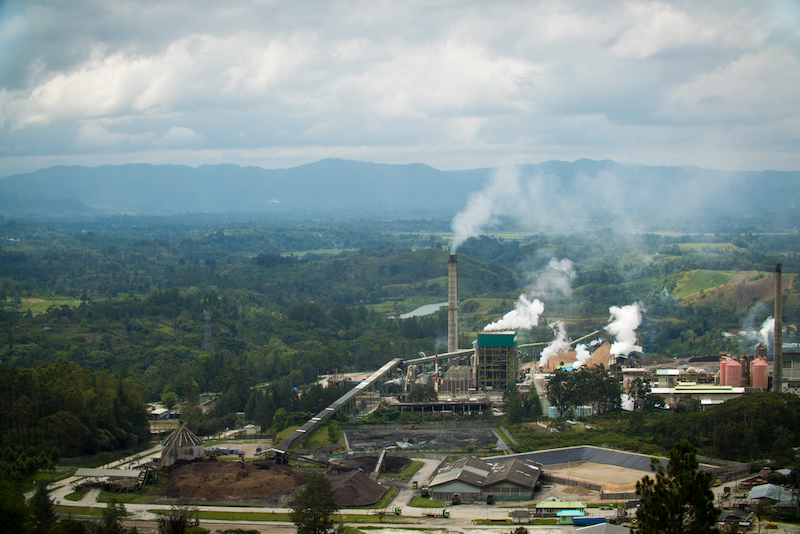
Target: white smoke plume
[(559, 344), (524, 316), (749, 327), (484, 206), (583, 354), (557, 278), (767, 330), (624, 322)]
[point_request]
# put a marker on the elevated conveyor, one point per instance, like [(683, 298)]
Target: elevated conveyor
[(324, 415)]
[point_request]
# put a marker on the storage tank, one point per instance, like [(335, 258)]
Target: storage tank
[(759, 374), (733, 374), (722, 364)]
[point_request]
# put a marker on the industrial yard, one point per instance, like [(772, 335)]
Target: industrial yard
[(450, 439)]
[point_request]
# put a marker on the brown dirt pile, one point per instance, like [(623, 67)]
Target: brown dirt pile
[(355, 489), (217, 480)]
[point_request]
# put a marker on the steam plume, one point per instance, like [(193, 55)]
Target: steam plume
[(556, 278), (767, 329), (524, 316), (583, 354), (484, 206), (559, 344), (624, 322)]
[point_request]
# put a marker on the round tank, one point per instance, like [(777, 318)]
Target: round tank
[(759, 374), (722, 365), (733, 374)]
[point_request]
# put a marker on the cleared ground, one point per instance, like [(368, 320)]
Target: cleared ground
[(612, 478)]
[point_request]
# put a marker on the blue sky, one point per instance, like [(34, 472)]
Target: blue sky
[(453, 84)]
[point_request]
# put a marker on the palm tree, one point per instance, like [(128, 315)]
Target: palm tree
[(762, 510)]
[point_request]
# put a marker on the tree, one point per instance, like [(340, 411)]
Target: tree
[(559, 392), (638, 392), (680, 500), (42, 514), (13, 512), (532, 404), (178, 521), (314, 505), (762, 510), (111, 523), (514, 410)]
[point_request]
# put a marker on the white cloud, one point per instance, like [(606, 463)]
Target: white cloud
[(179, 136), (449, 84)]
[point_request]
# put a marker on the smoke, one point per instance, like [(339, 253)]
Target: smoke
[(749, 327), (624, 322), (524, 316), (556, 278), (767, 330), (559, 344), (583, 354), (484, 207)]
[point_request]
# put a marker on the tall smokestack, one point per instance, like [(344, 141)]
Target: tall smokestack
[(777, 349), (452, 308)]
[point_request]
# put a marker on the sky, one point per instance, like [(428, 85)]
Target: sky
[(452, 84)]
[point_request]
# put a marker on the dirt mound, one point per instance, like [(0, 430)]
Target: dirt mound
[(391, 464), (217, 480), (355, 489), (577, 490)]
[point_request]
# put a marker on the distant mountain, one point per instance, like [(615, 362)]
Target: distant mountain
[(555, 188)]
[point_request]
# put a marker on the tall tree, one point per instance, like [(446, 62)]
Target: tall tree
[(42, 513), (679, 500), (314, 506)]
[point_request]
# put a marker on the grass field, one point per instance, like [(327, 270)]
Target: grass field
[(409, 471), (693, 282), (320, 438), (707, 247), (81, 510), (426, 502), (41, 305)]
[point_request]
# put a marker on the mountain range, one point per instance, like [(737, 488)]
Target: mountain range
[(554, 188)]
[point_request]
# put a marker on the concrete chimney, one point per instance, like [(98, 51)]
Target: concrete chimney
[(452, 308), (777, 349)]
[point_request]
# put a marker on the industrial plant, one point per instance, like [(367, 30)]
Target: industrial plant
[(473, 380)]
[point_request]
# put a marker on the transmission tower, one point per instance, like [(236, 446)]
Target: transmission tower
[(208, 345)]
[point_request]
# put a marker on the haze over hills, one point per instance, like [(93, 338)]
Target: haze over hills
[(550, 189)]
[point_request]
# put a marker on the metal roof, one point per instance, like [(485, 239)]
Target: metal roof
[(114, 473), (183, 437)]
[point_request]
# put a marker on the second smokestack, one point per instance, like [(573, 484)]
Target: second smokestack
[(452, 306), (777, 343)]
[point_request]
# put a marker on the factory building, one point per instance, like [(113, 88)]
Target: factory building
[(496, 361), (475, 479)]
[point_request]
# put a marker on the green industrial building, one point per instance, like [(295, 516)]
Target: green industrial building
[(496, 360)]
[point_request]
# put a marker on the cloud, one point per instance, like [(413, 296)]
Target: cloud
[(452, 85), (177, 136)]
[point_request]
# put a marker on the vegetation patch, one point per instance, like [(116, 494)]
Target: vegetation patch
[(426, 502), (77, 495), (408, 472), (695, 281)]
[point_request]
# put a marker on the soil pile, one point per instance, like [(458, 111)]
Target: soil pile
[(216, 480), (355, 489)]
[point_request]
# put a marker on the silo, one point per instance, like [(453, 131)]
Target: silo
[(733, 374), (722, 364), (759, 374)]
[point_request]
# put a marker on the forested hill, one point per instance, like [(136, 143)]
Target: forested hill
[(347, 188)]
